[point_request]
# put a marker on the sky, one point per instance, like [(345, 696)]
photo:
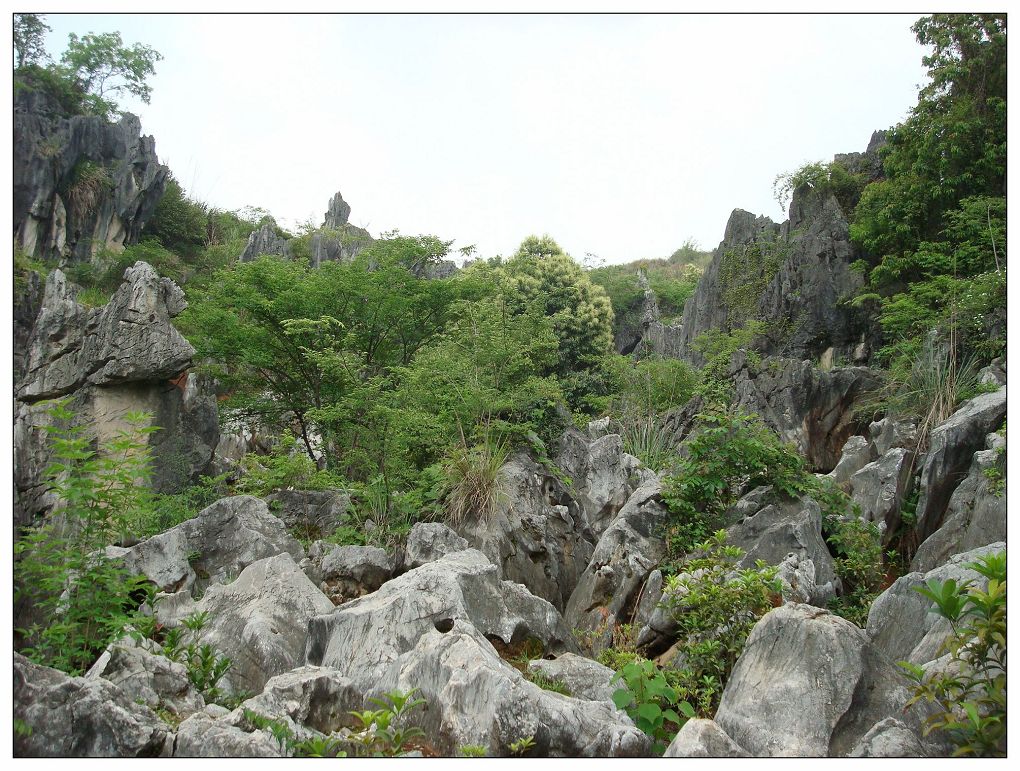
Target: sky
[(621, 136)]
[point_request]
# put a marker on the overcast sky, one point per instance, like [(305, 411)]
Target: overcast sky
[(620, 136)]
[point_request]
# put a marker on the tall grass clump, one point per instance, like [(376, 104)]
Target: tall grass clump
[(475, 484)]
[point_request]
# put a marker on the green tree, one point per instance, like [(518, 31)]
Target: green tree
[(29, 29), (101, 67), (179, 224)]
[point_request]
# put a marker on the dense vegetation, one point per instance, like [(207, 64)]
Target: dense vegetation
[(410, 393)]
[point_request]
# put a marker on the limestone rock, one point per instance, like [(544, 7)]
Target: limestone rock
[(428, 542), (260, 621), (628, 551), (201, 736), (888, 433), (338, 212), (880, 489), (361, 638), (313, 512), (214, 547), (857, 453), (809, 684), (900, 622), (81, 184), (951, 448), (264, 241), (603, 475), (700, 738), (146, 676), (474, 697), (80, 717), (347, 572), (889, 739), (584, 678), (537, 535), (976, 516), (786, 527)]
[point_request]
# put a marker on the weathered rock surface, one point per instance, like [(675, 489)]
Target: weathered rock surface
[(346, 572), (264, 241), (129, 339), (214, 547), (476, 698), (889, 739), (700, 738), (603, 476), (260, 621), (888, 433), (880, 488), (628, 551), (338, 213), (81, 184), (584, 678), (807, 406), (900, 622), (313, 512), (362, 638), (428, 542), (202, 736), (789, 527), (147, 677), (537, 536), (951, 448), (809, 684), (857, 453), (80, 717), (976, 516)]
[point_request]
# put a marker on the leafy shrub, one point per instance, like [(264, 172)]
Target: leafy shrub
[(730, 452), (381, 729), (717, 347), (824, 178), (970, 693), (171, 509), (178, 223), (715, 606), (474, 481), (84, 598), (285, 468), (651, 702)]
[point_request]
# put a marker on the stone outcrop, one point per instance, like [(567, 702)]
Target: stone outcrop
[(265, 240), (81, 184), (312, 513), (700, 738), (346, 572), (123, 357), (428, 542), (73, 717), (582, 677), (810, 684)]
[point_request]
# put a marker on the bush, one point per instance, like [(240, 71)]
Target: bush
[(715, 606), (474, 481), (970, 693), (285, 468), (651, 702), (84, 598)]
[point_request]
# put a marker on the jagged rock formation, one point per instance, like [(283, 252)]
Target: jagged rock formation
[(265, 240), (338, 240), (81, 184), (794, 277), (123, 357)]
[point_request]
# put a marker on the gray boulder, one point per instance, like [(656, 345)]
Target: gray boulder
[(888, 433), (428, 542), (700, 738), (602, 475), (584, 678), (338, 213), (889, 738), (951, 448), (202, 736), (628, 551), (362, 638), (537, 535), (260, 621), (857, 453), (901, 623), (147, 677), (809, 684), (880, 489), (976, 516), (313, 513), (214, 547), (347, 572), (76, 717), (474, 697), (789, 527)]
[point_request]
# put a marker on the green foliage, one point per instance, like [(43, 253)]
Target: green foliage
[(178, 223), (970, 693), (522, 746), (715, 606), (744, 274), (100, 66), (472, 751), (85, 186), (474, 481), (651, 702), (547, 684), (84, 598), (730, 452), (717, 347), (541, 274), (286, 468), (382, 732), (858, 560), (823, 178), (171, 509), (29, 39)]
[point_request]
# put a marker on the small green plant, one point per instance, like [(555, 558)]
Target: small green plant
[(970, 693), (650, 440), (318, 747), (547, 684), (286, 467), (474, 480), (651, 702), (522, 746), (472, 751), (89, 181), (278, 727), (380, 732)]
